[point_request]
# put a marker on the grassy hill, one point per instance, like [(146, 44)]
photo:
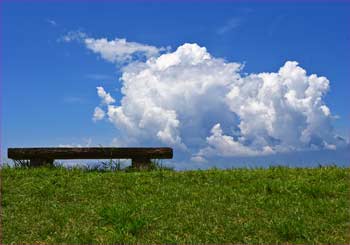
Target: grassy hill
[(276, 205)]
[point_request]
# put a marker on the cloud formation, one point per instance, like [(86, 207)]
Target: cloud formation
[(106, 98), (231, 24), (51, 22), (99, 114), (204, 107), (119, 50)]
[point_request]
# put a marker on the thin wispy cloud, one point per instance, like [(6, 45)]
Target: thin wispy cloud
[(87, 143), (74, 100), (73, 36), (230, 25), (99, 77), (51, 22)]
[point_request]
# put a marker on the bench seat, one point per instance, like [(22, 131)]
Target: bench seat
[(140, 156)]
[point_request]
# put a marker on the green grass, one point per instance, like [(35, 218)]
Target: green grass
[(276, 205)]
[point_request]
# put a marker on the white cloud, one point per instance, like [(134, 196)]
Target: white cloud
[(70, 145), (76, 36), (119, 50), (226, 146), (203, 107), (198, 159), (99, 114), (164, 96), (106, 98)]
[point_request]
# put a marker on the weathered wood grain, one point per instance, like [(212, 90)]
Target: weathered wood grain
[(90, 153)]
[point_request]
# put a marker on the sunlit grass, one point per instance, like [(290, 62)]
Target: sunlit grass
[(276, 205)]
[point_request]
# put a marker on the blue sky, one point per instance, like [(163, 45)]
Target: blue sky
[(49, 85)]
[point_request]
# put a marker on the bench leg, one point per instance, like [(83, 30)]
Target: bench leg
[(141, 163), (41, 162)]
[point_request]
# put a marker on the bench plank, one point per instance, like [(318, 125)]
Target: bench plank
[(90, 153)]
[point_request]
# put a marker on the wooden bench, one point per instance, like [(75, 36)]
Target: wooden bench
[(141, 157)]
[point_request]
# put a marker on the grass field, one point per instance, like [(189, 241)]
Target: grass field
[(275, 205)]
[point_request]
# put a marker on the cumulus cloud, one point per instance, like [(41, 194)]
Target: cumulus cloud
[(204, 107), (172, 95), (226, 146), (106, 98), (99, 114)]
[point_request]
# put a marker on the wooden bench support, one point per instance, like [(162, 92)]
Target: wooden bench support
[(140, 163), (41, 162), (141, 157)]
